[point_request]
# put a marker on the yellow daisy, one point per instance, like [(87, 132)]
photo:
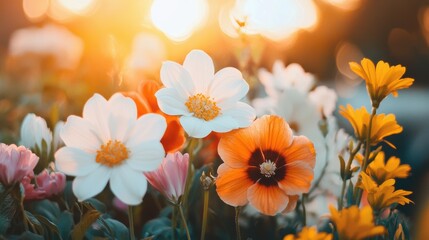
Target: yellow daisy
[(354, 223), (309, 233), (380, 197), (380, 171), (382, 125), (381, 80)]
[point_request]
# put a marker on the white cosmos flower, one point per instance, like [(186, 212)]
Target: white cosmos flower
[(325, 99), (34, 131), (205, 101), (109, 144), (282, 78)]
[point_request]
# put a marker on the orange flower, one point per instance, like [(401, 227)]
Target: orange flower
[(146, 102), (265, 165), (381, 80), (382, 125)]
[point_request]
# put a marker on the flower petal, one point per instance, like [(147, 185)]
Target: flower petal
[(269, 200), (79, 133), (128, 185), (228, 86), (195, 127), (302, 150), (173, 75), (146, 156), (122, 115), (200, 67), (297, 179), (75, 161), (170, 102), (148, 127), (242, 113), (96, 112), (88, 186), (235, 148), (232, 185)]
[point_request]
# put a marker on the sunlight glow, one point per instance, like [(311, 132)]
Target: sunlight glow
[(77, 6), (275, 19), (345, 4), (35, 10), (178, 19)]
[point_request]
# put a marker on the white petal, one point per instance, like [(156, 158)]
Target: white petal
[(128, 185), (79, 133), (149, 127), (173, 75), (223, 124), (228, 86), (88, 186), (147, 156), (122, 115), (96, 112), (200, 67), (195, 127), (75, 162), (170, 102), (242, 113)]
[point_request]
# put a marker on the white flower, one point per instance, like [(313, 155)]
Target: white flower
[(282, 78), (34, 131), (205, 101), (57, 142), (109, 144), (302, 116), (52, 40), (325, 99)]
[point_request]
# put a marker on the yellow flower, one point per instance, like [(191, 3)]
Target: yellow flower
[(381, 80), (381, 171), (380, 197), (354, 223), (309, 233), (382, 125)]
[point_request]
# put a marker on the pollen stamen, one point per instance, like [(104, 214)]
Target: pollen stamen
[(112, 153), (268, 168), (202, 107)]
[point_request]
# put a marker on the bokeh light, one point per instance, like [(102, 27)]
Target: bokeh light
[(345, 4), (35, 10), (276, 19), (78, 6), (178, 19)]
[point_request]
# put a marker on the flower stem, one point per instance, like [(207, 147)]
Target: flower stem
[(349, 164), (184, 222), (174, 222), (191, 150), (131, 222), (304, 213), (365, 161), (237, 225), (205, 212)]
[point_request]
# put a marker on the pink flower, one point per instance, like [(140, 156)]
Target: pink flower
[(170, 177), (52, 183), (15, 163), (31, 192)]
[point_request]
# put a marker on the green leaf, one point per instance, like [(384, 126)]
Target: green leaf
[(49, 225), (342, 167), (88, 218), (35, 224), (65, 224), (350, 194), (7, 210)]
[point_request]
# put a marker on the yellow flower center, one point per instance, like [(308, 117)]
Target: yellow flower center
[(268, 168), (202, 107), (112, 153)]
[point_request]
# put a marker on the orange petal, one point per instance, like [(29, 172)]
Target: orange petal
[(174, 136), (297, 179), (269, 200), (273, 133), (293, 200), (301, 149), (236, 147), (232, 185), (147, 90), (142, 106)]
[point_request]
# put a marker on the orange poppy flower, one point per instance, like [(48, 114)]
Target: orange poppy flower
[(265, 165), (146, 102)]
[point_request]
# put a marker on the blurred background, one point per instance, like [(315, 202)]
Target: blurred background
[(54, 54)]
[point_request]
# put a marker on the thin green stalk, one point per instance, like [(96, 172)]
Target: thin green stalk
[(237, 225), (349, 164), (323, 170), (205, 213), (131, 222), (365, 161), (184, 222), (304, 213), (174, 222), (191, 147)]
